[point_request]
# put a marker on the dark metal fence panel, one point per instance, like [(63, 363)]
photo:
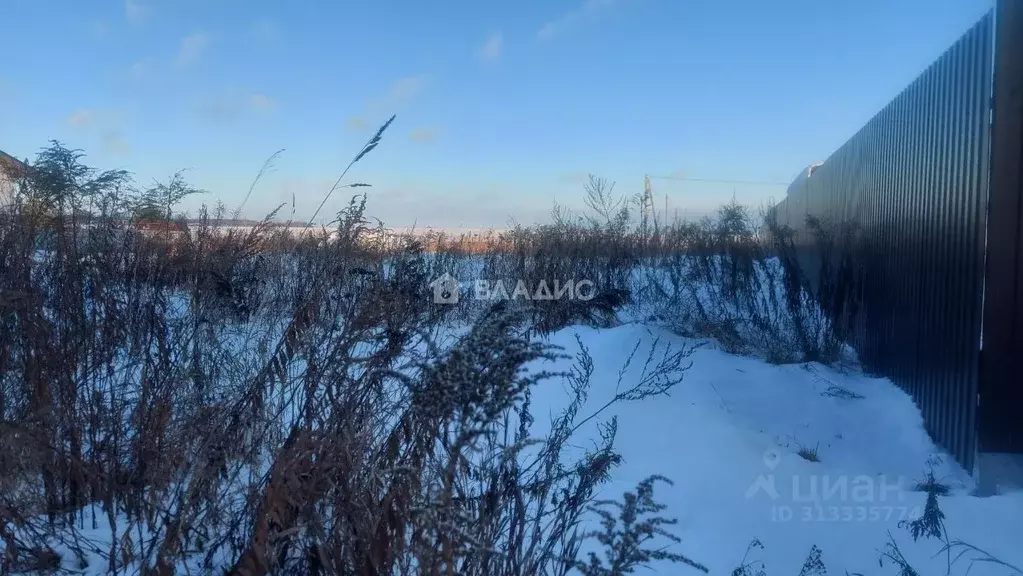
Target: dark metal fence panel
[(1001, 400), (913, 181)]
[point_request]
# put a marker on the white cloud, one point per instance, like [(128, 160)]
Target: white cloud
[(587, 9), (192, 48), (135, 10), (491, 50)]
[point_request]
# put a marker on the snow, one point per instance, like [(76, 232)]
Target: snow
[(729, 434), (729, 437)]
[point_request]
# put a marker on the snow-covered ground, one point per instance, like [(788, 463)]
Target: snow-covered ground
[(729, 437)]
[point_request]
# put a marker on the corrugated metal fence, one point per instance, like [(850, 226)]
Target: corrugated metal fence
[(1001, 382), (914, 180)]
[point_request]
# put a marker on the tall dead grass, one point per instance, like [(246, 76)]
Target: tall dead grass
[(256, 404)]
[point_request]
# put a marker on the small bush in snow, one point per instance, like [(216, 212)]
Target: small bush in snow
[(627, 535), (809, 454)]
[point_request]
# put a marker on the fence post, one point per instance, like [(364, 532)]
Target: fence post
[(1001, 374)]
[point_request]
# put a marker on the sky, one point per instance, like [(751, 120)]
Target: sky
[(503, 107)]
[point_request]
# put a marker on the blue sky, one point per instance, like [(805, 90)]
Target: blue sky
[(502, 107)]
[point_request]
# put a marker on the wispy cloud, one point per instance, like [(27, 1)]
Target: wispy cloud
[(81, 119), (233, 105), (492, 48), (219, 109), (192, 48), (404, 90), (135, 10), (266, 30), (357, 124), (138, 69), (424, 135), (588, 9), (99, 29), (400, 93), (259, 101), (575, 178), (106, 124), (114, 142), (8, 98)]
